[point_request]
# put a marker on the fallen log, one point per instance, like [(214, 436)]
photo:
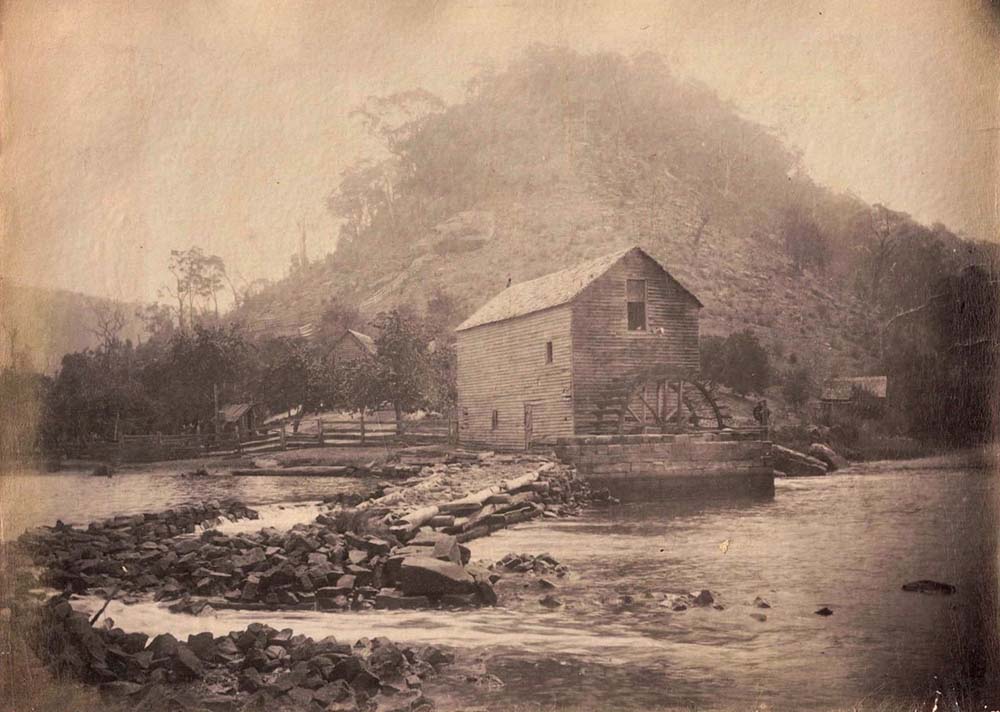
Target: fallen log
[(114, 592), (522, 515), (474, 533), (419, 517), (410, 522), (481, 516), (522, 481), (302, 471), (469, 503)]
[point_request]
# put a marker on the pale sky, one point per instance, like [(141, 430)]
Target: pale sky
[(132, 127)]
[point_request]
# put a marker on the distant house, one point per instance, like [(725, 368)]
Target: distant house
[(240, 418), (539, 359), (352, 345), (841, 393)]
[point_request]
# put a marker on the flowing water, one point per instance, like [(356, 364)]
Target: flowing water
[(847, 542), (76, 497)]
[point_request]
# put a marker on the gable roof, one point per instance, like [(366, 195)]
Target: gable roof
[(842, 389), (552, 290), (233, 412), (366, 342)]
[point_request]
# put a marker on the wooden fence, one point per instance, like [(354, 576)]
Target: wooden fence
[(319, 432)]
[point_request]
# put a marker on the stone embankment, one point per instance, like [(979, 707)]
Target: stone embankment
[(255, 668), (400, 549)]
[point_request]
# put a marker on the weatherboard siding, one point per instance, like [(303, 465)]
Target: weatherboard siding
[(348, 348), (501, 366), (603, 346)]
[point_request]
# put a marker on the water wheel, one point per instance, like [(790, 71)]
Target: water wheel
[(656, 399)]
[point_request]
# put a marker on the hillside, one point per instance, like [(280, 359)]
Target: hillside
[(564, 157), (45, 324)]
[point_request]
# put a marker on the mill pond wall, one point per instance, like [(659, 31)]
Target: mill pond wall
[(633, 467)]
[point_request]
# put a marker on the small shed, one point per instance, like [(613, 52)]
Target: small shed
[(544, 358), (841, 394), (351, 346), (239, 418)]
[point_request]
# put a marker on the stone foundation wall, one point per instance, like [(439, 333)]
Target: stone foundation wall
[(631, 464)]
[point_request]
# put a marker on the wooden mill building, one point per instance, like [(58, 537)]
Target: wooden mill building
[(544, 358)]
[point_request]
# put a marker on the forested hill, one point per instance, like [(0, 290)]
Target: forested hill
[(38, 326), (565, 156)]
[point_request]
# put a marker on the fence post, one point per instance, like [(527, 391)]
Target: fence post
[(362, 426), (319, 429), (680, 406), (282, 437)]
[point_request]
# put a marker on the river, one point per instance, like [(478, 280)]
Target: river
[(847, 541)]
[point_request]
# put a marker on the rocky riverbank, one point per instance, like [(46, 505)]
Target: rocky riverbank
[(401, 547), (255, 668)]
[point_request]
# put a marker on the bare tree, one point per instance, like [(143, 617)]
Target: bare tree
[(880, 249), (181, 287), (109, 320)]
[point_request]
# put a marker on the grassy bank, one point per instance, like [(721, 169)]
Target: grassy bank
[(26, 684)]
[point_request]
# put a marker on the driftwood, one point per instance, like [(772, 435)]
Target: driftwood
[(114, 592), (524, 480), (414, 520), (471, 502)]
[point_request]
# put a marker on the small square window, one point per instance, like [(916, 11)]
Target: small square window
[(495, 420), (548, 352)]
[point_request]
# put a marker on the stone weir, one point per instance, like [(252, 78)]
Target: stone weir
[(637, 467)]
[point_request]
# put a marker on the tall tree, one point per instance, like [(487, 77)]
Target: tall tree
[(805, 243), (878, 251), (401, 360), (289, 377), (198, 278)]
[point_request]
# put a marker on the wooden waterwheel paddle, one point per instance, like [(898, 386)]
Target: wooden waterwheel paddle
[(656, 398)]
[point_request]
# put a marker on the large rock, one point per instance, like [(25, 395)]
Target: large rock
[(828, 455), (203, 645), (928, 586), (447, 548), (187, 666), (164, 645), (425, 576), (795, 463)]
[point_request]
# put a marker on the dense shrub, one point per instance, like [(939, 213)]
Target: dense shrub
[(798, 386), (738, 361), (805, 243)]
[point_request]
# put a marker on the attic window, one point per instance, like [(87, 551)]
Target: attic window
[(548, 352), (635, 295), (495, 420)]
